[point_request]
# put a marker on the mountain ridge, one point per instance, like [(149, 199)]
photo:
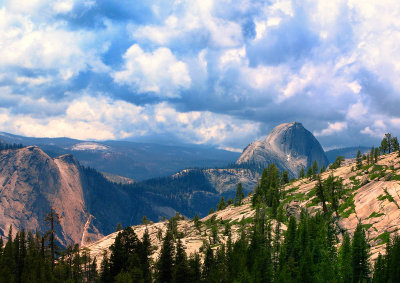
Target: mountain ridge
[(134, 160)]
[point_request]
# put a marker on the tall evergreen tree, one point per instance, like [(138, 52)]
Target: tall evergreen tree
[(359, 160), (165, 264), (195, 268), (52, 219), (105, 273), (145, 254), (222, 204), (321, 194), (315, 169), (181, 270), (360, 255), (309, 173), (388, 138), (239, 196), (395, 144), (380, 270), (285, 177), (208, 264), (385, 145), (125, 252), (302, 173), (392, 260), (376, 154)]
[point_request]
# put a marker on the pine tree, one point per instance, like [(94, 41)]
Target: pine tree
[(239, 196), (124, 252), (221, 205), (285, 177), (302, 173), (195, 268), (105, 273), (359, 160), (376, 154), (145, 220), (9, 258), (309, 173), (360, 255), (337, 163), (388, 138), (196, 221), (372, 155), (165, 264), (395, 144), (145, 254), (315, 169), (319, 188), (380, 271), (392, 260), (52, 219), (118, 227), (181, 270), (384, 145), (333, 187), (208, 264), (221, 265)]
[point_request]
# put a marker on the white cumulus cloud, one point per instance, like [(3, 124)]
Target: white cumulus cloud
[(158, 71), (332, 128)]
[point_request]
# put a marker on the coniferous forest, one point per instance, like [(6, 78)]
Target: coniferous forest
[(306, 252), (311, 248)]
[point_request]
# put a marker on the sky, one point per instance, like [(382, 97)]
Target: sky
[(220, 73)]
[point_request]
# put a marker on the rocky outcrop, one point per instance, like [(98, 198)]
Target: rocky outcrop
[(290, 146), (31, 183)]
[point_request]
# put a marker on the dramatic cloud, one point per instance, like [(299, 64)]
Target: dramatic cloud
[(201, 71), (332, 128), (157, 72)]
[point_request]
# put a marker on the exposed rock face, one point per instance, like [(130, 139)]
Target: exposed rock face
[(290, 146), (31, 183), (226, 179)]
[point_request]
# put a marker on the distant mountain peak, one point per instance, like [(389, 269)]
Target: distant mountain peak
[(289, 145)]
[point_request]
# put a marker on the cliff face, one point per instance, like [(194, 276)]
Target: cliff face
[(31, 183), (290, 146)]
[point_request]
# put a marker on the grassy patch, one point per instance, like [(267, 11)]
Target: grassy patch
[(375, 214), (347, 213), (291, 190), (347, 207), (299, 196), (288, 199), (395, 178), (386, 196), (355, 182), (367, 226), (311, 193), (378, 171), (314, 202), (385, 237), (366, 167), (247, 220)]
